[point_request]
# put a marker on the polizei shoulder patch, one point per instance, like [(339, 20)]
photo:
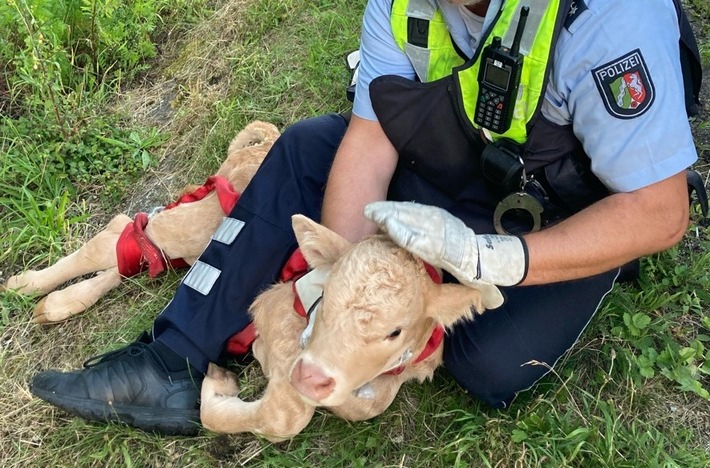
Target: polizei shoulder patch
[(625, 85)]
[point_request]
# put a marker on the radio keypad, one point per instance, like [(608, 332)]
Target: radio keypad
[(490, 110)]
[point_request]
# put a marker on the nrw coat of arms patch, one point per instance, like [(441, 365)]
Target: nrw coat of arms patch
[(625, 85)]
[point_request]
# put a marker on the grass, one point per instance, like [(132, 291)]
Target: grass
[(630, 394)]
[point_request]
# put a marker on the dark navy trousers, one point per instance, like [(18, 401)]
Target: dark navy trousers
[(487, 356)]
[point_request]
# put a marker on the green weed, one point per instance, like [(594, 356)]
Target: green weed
[(64, 61), (663, 319)]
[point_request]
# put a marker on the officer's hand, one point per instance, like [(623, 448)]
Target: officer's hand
[(443, 240)]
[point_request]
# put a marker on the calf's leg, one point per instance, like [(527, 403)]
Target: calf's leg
[(98, 254), (62, 304), (279, 415)]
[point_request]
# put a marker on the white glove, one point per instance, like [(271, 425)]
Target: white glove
[(443, 240)]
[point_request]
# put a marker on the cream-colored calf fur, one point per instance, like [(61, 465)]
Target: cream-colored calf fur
[(173, 231), (378, 309)]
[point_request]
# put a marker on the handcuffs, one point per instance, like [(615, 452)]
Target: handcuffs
[(518, 201), (503, 166)]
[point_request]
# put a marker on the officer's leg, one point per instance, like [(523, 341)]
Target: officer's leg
[(252, 244), (494, 356), (149, 384)]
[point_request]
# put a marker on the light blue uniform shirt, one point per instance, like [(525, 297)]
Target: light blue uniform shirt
[(626, 153)]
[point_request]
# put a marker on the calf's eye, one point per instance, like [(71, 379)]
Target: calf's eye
[(394, 334)]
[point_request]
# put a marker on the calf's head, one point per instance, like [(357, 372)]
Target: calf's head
[(378, 310)]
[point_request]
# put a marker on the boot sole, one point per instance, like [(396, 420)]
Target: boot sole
[(165, 421)]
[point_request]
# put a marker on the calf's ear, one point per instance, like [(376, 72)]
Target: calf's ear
[(320, 246), (448, 303)]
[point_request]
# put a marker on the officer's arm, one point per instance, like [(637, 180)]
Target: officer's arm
[(610, 233), (361, 173)]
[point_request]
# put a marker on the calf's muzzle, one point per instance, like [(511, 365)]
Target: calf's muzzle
[(311, 381)]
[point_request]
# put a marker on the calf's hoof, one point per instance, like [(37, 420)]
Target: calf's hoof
[(219, 382), (22, 283), (55, 308)]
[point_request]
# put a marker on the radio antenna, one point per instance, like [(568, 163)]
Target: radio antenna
[(515, 48)]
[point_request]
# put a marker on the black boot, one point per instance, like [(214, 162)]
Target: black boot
[(131, 385)]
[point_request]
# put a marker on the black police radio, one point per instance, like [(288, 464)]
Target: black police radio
[(498, 80)]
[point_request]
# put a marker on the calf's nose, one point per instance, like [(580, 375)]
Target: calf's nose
[(311, 381)]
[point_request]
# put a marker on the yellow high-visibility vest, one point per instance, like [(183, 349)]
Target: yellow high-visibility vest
[(420, 30)]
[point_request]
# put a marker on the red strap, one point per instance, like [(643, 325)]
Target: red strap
[(128, 254), (226, 194), (228, 197), (433, 273), (135, 252), (240, 343), (151, 254), (437, 336), (295, 267)]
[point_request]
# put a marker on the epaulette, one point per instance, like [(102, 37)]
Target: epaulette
[(576, 8)]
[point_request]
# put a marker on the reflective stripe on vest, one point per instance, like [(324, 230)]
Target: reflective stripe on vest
[(420, 31), (537, 46)]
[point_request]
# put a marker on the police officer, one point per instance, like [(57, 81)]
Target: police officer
[(604, 143)]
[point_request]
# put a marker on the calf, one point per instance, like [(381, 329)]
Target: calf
[(378, 311), (172, 231)]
